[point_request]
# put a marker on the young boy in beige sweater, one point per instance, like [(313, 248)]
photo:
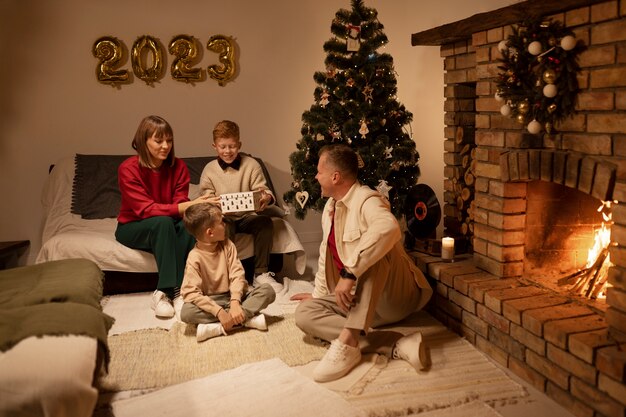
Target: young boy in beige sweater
[(214, 290), (233, 172)]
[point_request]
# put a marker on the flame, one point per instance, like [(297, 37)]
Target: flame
[(602, 240)]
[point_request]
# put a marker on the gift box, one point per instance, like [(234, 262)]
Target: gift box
[(238, 202)]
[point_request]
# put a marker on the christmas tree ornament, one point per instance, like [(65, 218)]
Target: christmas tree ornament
[(505, 110), (523, 107), (325, 96), (367, 92), (502, 46), (534, 127), (498, 97), (363, 130), (551, 108), (350, 82), (549, 76), (353, 41), (360, 163), (383, 188), (319, 137), (550, 90), (520, 119), (302, 197), (388, 151), (548, 127), (568, 42), (535, 48)]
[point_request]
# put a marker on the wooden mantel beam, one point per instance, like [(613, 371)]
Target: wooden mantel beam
[(463, 29)]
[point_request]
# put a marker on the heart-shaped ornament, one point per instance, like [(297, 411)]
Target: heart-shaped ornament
[(302, 197)]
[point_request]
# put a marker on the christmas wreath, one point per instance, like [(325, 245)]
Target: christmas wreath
[(537, 82)]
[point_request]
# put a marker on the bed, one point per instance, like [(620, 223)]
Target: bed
[(53, 339), (81, 200)]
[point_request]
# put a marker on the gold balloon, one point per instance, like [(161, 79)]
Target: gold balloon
[(552, 108), (185, 51), (521, 119), (523, 107), (225, 47), (144, 46), (549, 76), (109, 52)]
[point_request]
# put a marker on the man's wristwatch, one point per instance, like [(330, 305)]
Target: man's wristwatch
[(345, 274)]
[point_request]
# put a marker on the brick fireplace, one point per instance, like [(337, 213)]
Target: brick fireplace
[(527, 206)]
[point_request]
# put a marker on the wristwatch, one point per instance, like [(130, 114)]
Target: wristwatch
[(345, 274)]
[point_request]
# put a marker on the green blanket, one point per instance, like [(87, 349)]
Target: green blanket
[(52, 298)]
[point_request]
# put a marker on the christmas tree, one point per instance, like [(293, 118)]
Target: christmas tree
[(356, 104)]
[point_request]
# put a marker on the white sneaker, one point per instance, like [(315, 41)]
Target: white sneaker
[(162, 305), (412, 349), (337, 362), (209, 330), (256, 322), (268, 278)]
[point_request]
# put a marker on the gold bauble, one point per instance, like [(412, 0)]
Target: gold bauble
[(552, 108), (549, 76), (523, 107), (521, 119)]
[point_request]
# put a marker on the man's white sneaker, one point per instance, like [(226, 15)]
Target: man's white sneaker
[(268, 278), (412, 349), (162, 305), (337, 362), (256, 322), (209, 330)]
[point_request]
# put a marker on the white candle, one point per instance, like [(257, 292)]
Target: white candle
[(447, 248)]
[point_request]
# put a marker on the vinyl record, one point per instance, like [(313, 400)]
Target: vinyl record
[(422, 211)]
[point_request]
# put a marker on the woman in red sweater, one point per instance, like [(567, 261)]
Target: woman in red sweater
[(155, 185)]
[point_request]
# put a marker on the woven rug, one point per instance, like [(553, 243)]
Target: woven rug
[(155, 358), (460, 374)]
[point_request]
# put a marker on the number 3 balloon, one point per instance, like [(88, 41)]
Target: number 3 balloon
[(152, 73), (225, 47), (183, 47)]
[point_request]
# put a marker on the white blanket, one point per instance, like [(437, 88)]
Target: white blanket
[(67, 235), (268, 388), (49, 376)]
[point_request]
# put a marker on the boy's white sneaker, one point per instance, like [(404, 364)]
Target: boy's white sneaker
[(209, 330), (268, 278), (337, 361), (411, 348), (162, 305), (256, 322)]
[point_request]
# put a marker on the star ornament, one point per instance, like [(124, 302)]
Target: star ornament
[(383, 188), (367, 92)]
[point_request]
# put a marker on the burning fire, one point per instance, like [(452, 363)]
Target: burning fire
[(598, 258)]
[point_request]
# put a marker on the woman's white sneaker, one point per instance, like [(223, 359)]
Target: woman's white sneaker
[(162, 305)]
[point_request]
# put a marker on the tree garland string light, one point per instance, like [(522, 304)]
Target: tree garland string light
[(537, 82)]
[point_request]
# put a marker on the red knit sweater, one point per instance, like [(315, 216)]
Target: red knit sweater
[(149, 193)]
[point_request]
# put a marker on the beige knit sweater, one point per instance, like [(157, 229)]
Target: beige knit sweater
[(215, 181)]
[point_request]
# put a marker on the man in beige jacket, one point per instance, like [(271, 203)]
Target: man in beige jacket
[(365, 278)]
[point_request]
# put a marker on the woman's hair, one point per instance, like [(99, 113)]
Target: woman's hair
[(226, 129), (199, 217), (152, 125), (343, 158)]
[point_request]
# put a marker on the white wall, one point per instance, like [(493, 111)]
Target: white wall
[(51, 104)]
